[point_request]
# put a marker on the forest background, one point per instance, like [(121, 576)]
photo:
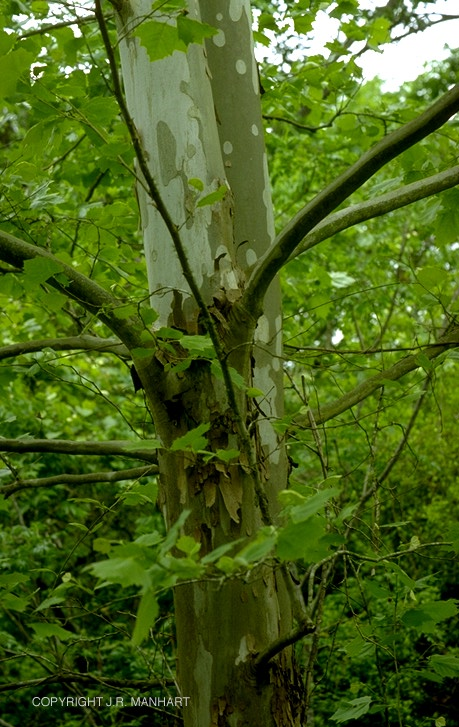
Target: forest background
[(198, 490)]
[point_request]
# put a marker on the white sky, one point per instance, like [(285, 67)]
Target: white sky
[(405, 60)]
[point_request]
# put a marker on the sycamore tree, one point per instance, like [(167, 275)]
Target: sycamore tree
[(139, 241)]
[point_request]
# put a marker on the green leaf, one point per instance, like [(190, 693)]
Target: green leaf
[(51, 601), (227, 565), (188, 545), (402, 576), (219, 552), (26, 171), (253, 392), (260, 547), (441, 610), (10, 580), (426, 616), (431, 277), (352, 709), (123, 312), (149, 539), (101, 110), (147, 614), (359, 648), (193, 439), (200, 346), (446, 227), (12, 67), (193, 31), (213, 197), (235, 376), (226, 455), (303, 23), (159, 39), (314, 504), (424, 362), (11, 602), (169, 334), (185, 568), (261, 38), (267, 21), (142, 352), (148, 315), (48, 630), (7, 41), (125, 571), (102, 545), (39, 269), (378, 32), (444, 666), (39, 7), (173, 532), (303, 540), (196, 183)]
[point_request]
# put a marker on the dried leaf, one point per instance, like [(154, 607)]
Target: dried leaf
[(210, 493), (232, 497)]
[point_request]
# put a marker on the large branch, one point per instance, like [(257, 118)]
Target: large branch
[(72, 343), (118, 448), (88, 478), (77, 286), (340, 189), (377, 207), (393, 373), (95, 299)]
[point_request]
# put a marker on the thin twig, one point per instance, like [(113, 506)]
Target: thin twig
[(76, 678), (43, 29)]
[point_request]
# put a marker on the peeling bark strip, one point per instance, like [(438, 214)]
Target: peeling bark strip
[(198, 117)]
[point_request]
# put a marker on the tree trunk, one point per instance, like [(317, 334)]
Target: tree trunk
[(198, 116)]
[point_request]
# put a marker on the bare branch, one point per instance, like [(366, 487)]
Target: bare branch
[(72, 343), (89, 478), (377, 207), (3, 723), (75, 678), (298, 125), (368, 492), (117, 448), (406, 434), (395, 555), (340, 189), (362, 391), (44, 29)]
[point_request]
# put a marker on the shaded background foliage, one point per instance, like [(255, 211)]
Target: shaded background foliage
[(350, 308)]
